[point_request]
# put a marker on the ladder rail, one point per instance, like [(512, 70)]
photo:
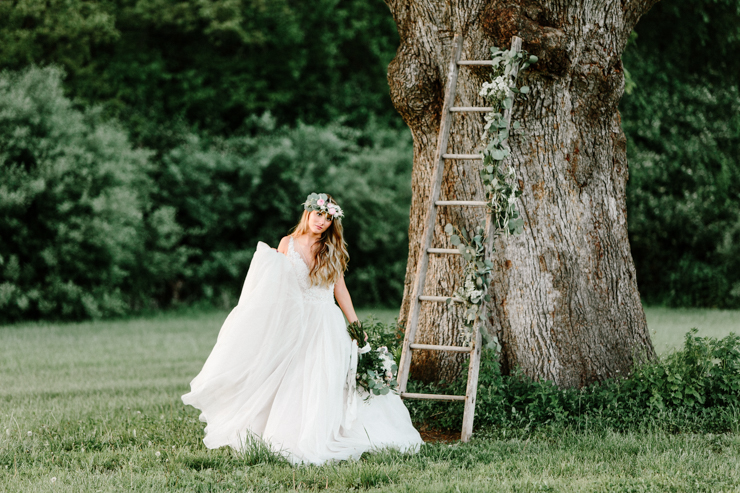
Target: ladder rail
[(431, 215), (474, 350)]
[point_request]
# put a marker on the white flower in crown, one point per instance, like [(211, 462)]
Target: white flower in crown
[(320, 202)]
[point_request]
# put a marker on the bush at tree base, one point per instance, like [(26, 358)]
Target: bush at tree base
[(693, 389)]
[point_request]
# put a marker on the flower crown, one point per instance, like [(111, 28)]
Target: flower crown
[(320, 202)]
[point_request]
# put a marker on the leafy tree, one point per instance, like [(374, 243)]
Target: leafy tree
[(683, 132), (229, 193), (76, 226), (211, 64)]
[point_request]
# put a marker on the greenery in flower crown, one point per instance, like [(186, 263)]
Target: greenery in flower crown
[(320, 202), (499, 183)]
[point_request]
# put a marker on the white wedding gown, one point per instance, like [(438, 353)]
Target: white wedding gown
[(283, 369)]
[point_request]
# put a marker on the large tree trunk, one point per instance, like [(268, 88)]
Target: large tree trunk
[(565, 302)]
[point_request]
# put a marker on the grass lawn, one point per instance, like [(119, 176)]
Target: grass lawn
[(96, 406)]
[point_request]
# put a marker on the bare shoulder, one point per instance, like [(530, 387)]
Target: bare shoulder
[(283, 246)]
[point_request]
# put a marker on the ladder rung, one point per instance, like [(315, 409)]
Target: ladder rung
[(440, 298), (479, 157), (475, 62), (461, 202), (434, 397), (472, 109), (451, 251), (431, 347)]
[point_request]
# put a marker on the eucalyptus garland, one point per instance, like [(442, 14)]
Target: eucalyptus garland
[(500, 183), (477, 272)]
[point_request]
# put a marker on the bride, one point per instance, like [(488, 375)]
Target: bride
[(283, 367)]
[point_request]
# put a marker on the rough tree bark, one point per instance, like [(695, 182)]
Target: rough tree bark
[(565, 302)]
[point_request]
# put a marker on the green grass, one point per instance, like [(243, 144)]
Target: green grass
[(668, 325), (102, 398)]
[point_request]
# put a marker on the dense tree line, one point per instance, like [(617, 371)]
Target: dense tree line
[(174, 135), (682, 120)]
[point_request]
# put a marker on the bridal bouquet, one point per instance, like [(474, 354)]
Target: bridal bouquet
[(376, 369)]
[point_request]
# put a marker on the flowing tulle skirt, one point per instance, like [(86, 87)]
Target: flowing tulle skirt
[(279, 371)]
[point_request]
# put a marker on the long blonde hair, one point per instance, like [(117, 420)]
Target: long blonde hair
[(332, 257)]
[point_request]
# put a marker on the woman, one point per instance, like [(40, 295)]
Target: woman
[(283, 366)]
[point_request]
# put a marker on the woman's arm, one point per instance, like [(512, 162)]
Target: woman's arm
[(344, 300), (283, 246)]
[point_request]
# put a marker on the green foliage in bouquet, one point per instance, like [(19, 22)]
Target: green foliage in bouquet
[(377, 370)]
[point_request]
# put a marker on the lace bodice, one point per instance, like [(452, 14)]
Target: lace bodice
[(311, 294)]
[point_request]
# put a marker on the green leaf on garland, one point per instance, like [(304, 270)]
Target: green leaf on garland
[(455, 240), (516, 226), (508, 103), (449, 229), (498, 154), (524, 89), (516, 125), (533, 59)]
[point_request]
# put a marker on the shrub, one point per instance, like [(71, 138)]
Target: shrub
[(74, 232), (696, 388)]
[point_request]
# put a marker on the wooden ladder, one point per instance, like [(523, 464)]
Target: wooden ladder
[(441, 155)]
